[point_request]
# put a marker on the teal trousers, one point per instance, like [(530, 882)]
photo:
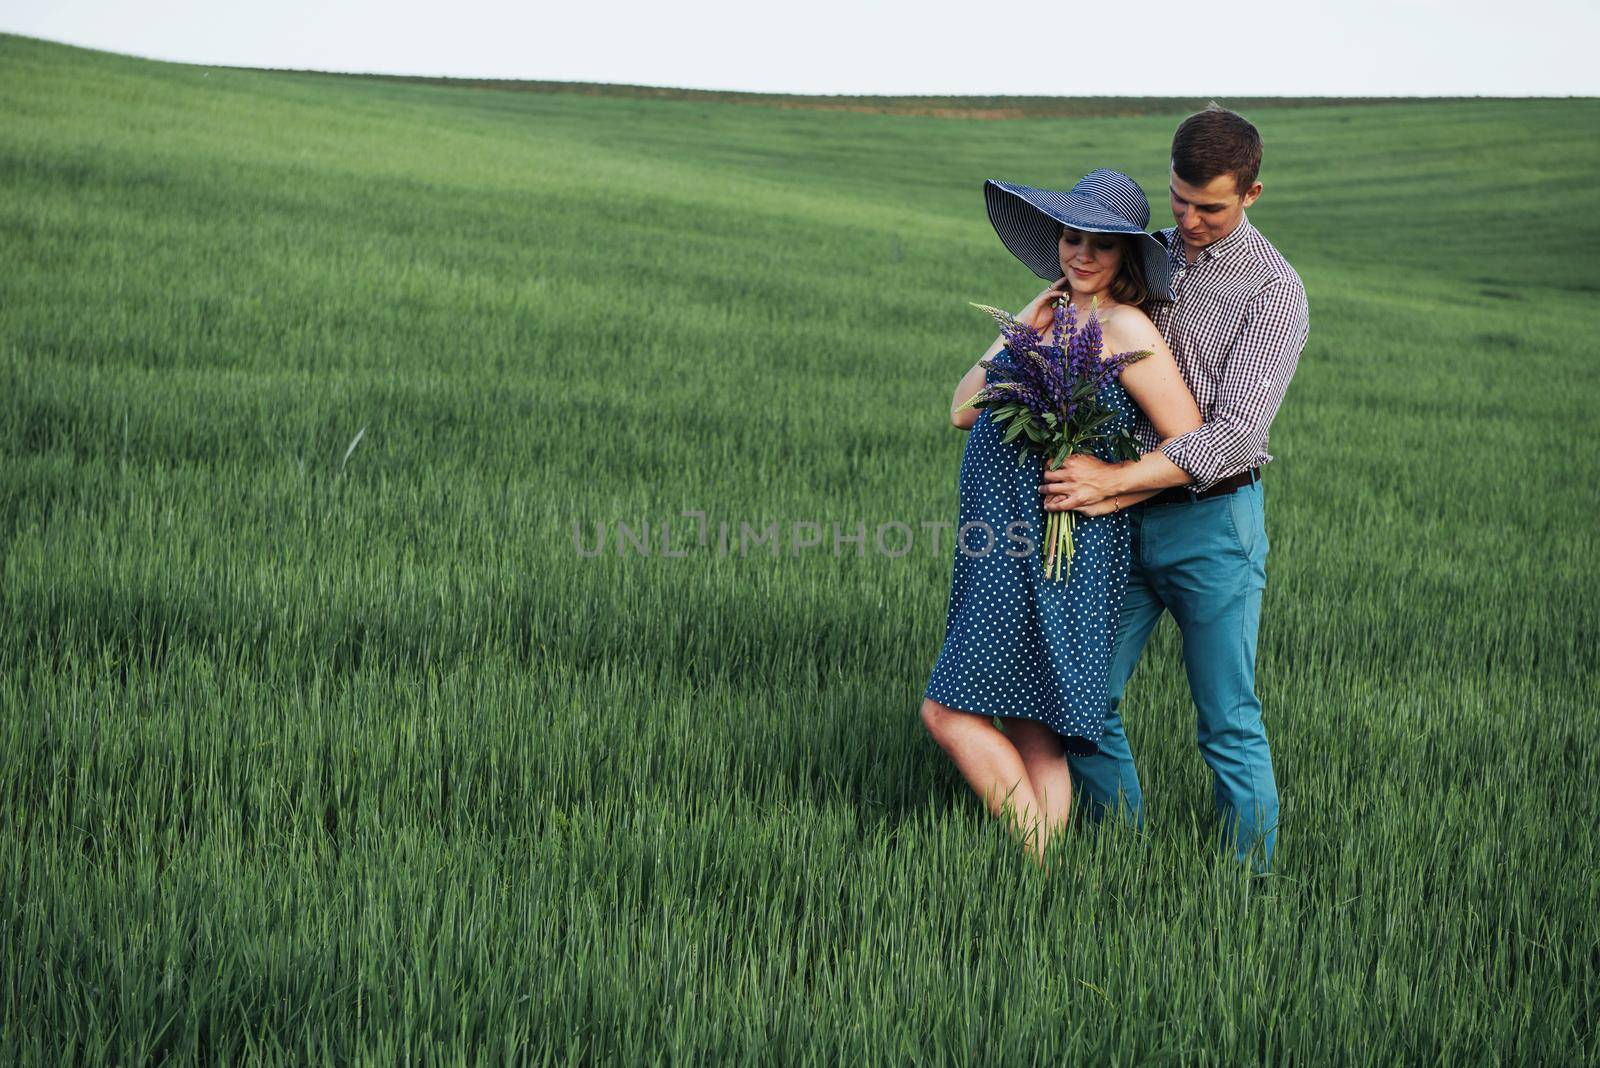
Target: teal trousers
[(1205, 562)]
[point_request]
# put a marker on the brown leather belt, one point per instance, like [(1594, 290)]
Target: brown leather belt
[(1183, 495)]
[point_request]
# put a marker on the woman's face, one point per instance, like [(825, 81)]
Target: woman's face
[(1089, 261)]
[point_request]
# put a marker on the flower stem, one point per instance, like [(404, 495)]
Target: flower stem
[(1064, 540), (1049, 540)]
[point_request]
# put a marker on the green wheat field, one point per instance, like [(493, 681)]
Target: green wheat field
[(321, 741)]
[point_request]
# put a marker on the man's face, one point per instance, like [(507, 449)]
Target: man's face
[(1207, 213)]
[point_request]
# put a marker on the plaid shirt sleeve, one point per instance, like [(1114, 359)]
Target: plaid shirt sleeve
[(1250, 388)]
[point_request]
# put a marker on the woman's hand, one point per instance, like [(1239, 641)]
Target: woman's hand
[(1040, 312)]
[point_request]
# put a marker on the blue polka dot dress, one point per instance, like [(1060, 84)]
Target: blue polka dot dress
[(1018, 644)]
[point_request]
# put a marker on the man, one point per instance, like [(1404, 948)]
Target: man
[(1236, 327)]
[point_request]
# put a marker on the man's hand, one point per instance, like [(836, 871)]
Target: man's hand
[(1105, 507), (1080, 482)]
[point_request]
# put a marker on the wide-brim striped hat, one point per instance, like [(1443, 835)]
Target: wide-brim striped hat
[(1029, 221)]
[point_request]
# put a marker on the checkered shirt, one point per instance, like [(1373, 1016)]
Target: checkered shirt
[(1237, 328)]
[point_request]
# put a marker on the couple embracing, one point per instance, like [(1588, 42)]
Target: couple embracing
[(1223, 318)]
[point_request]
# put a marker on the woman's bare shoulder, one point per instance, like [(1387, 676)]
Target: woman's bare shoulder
[(1128, 327)]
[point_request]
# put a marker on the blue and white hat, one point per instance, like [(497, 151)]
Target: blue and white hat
[(1029, 221)]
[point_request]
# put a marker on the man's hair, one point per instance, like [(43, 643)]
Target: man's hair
[(1213, 142)]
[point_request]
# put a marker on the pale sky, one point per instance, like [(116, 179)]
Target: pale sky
[(1153, 48)]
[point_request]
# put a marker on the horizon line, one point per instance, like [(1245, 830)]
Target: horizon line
[(835, 99)]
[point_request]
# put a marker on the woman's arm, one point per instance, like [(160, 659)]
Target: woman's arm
[(1155, 383), (974, 380)]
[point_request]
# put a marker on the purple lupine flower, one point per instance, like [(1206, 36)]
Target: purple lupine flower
[(1059, 391), (1116, 363), (1019, 381), (1087, 343), (1019, 393), (1036, 368), (1017, 335), (1092, 335)]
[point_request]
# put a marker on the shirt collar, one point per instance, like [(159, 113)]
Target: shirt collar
[(1214, 251), (1230, 244), (1174, 243)]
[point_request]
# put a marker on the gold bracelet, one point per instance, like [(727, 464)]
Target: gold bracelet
[(1116, 504)]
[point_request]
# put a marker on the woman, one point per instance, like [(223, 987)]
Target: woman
[(1026, 649)]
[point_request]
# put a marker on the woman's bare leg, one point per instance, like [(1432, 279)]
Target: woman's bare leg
[(1046, 760), (991, 765)]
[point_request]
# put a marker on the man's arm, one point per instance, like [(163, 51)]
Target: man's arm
[(1254, 380), (1150, 474), (1093, 487), (1119, 496)]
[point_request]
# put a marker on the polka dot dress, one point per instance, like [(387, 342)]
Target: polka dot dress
[(1018, 644)]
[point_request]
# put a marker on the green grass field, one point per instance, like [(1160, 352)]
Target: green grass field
[(310, 753)]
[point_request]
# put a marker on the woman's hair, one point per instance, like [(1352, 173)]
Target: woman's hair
[(1131, 286)]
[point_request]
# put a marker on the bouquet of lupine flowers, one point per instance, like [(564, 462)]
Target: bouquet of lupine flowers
[(1048, 395)]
